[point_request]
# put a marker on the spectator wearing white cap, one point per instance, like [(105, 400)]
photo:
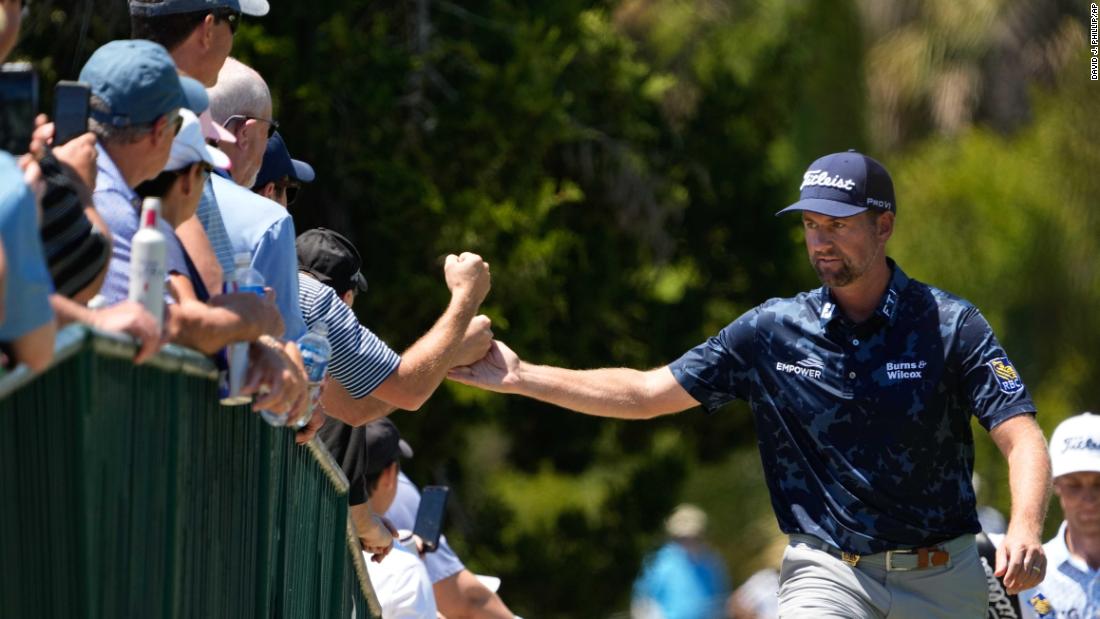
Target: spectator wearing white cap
[(1072, 583), (195, 319)]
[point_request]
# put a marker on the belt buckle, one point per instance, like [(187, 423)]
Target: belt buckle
[(890, 561), (850, 558)]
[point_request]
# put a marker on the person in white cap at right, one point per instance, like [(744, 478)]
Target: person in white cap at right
[(1072, 583)]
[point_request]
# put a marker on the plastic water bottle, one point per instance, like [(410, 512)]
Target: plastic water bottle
[(148, 250), (243, 279), (316, 352)]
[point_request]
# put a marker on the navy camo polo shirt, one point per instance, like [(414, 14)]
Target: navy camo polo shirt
[(864, 430)]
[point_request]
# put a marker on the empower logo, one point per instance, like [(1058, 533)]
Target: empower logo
[(808, 367)]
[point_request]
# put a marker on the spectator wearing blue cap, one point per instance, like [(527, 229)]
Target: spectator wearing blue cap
[(280, 177), (241, 102), (863, 392), (26, 322), (136, 97)]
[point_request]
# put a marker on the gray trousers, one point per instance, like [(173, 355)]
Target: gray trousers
[(814, 584)]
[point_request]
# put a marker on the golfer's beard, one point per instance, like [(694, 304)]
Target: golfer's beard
[(837, 278)]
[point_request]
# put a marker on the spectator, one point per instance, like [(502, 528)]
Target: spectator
[(280, 177), (242, 103), (1071, 582), (26, 321), (136, 97), (199, 36), (459, 594), (370, 379), (684, 579), (192, 322), (370, 457)]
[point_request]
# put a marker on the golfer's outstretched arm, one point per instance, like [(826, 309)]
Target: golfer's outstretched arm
[(611, 392)]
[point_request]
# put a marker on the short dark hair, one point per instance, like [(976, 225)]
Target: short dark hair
[(168, 30), (371, 480), (158, 187)]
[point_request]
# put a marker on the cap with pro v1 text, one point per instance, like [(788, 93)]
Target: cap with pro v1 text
[(845, 184)]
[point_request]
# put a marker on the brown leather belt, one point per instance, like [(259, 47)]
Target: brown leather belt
[(900, 560)]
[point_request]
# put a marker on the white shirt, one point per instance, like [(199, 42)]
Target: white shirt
[(441, 564), (402, 586), (1071, 587)]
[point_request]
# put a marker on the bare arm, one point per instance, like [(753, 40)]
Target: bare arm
[(462, 596), (209, 327), (193, 238), (35, 348), (1020, 558), (338, 403), (425, 364), (610, 392)]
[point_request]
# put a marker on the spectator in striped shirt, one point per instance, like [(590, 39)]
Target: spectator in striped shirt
[(370, 378)]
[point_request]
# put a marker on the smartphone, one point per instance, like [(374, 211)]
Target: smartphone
[(429, 516), (70, 110), (18, 106)]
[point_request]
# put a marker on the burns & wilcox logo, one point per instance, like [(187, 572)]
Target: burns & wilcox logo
[(905, 370)]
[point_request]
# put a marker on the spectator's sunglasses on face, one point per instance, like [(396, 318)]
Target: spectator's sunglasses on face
[(272, 124), (233, 18), (288, 188)]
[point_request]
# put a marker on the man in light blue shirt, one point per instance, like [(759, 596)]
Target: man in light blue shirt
[(1072, 584), (241, 102), (684, 579)]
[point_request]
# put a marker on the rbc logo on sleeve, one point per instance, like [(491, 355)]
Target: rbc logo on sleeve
[(1007, 377)]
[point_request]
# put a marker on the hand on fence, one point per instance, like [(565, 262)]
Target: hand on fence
[(131, 318), (278, 380)]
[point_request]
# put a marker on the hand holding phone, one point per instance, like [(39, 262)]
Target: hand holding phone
[(429, 516), (70, 110)]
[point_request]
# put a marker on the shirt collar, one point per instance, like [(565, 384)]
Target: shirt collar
[(887, 306), (109, 178), (1058, 553)]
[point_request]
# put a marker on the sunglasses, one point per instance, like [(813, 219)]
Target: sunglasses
[(272, 124), (233, 18), (288, 188)]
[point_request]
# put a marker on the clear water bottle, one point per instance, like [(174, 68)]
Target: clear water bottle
[(148, 254), (243, 279), (316, 352)]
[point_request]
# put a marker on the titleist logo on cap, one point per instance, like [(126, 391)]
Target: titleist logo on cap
[(822, 178), (1080, 442)]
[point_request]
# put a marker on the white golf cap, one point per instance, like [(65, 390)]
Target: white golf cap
[(1075, 445), (256, 8), (190, 147)]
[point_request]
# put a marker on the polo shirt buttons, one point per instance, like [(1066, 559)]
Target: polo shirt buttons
[(851, 374), (855, 342)]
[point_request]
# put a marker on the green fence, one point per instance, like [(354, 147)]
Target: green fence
[(127, 491)]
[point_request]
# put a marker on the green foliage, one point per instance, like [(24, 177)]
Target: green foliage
[(618, 163)]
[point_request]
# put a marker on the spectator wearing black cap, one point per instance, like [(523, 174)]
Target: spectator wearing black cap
[(370, 457), (361, 363), (280, 177)]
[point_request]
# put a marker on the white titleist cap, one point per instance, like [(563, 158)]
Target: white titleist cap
[(1075, 445)]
